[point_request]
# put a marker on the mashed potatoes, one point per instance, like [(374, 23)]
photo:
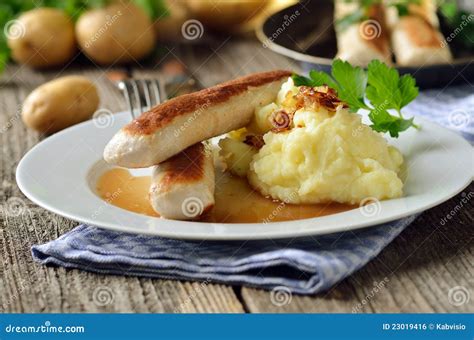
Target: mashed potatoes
[(318, 151)]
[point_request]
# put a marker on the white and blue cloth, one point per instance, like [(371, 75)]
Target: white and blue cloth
[(452, 107), (303, 265)]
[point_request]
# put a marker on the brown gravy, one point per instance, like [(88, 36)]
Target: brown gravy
[(236, 201)]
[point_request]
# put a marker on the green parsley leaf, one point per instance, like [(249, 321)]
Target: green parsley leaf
[(321, 78), (408, 89), (316, 78), (382, 121), (381, 85), (456, 18), (352, 81), (385, 91), (349, 82), (303, 81), (449, 9), (402, 9), (385, 85)]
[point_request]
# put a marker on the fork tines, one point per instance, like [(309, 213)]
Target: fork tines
[(141, 94)]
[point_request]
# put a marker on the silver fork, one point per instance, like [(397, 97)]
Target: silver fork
[(141, 94)]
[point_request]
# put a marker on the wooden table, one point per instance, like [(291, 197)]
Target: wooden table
[(420, 267)]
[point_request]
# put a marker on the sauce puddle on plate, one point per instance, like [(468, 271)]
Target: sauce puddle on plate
[(236, 201)]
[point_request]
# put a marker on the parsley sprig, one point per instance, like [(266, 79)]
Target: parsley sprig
[(377, 90), (456, 18)]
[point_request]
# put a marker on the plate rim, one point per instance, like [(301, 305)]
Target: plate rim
[(303, 57), (287, 233)]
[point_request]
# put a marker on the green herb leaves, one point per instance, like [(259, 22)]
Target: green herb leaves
[(349, 82), (381, 85), (461, 22), (386, 84), (388, 91), (352, 82)]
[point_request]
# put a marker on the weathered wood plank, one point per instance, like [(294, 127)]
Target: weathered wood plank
[(28, 287), (428, 268), (221, 61)]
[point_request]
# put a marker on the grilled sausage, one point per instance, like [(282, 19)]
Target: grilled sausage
[(417, 42), (171, 127), (183, 186), (363, 41)]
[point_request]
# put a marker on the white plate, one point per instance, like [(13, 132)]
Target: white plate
[(59, 174)]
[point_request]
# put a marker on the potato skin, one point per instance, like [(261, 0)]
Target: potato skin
[(169, 28), (48, 38), (225, 15), (60, 103), (119, 33)]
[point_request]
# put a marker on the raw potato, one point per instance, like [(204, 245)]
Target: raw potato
[(119, 33), (169, 28), (42, 37), (60, 103), (272, 7), (225, 15), (237, 156)]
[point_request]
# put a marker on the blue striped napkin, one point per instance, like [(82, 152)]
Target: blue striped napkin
[(452, 107), (303, 265)]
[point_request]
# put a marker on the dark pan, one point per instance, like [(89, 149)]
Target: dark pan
[(305, 32)]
